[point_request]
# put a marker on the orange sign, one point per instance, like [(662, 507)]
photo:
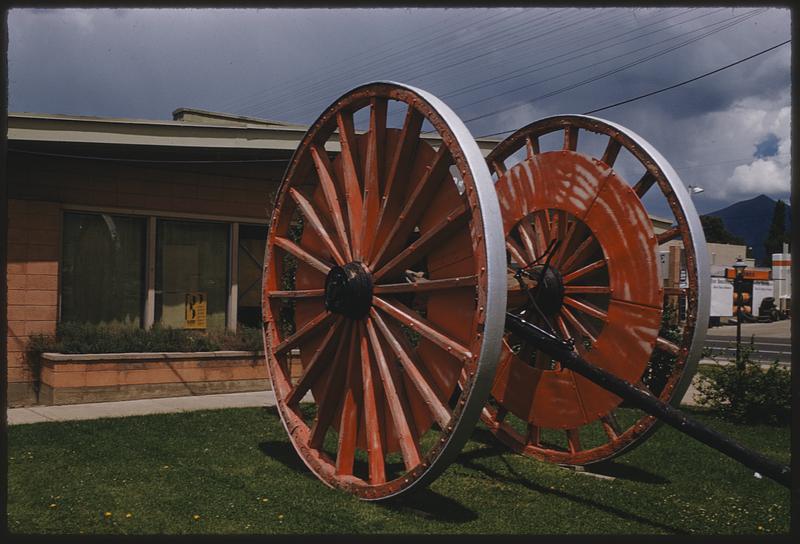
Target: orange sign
[(195, 310), (749, 274)]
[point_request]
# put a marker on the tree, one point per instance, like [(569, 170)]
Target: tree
[(778, 234), (715, 231)]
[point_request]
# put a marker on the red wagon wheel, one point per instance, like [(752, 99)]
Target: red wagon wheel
[(385, 273), (583, 236)]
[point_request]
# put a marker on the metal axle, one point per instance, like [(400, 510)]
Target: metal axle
[(563, 353)]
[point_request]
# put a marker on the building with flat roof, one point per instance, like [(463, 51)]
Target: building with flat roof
[(133, 221)]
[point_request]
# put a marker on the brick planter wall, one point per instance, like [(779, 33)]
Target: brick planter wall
[(72, 379)]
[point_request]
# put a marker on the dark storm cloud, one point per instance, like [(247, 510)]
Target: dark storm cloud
[(290, 64)]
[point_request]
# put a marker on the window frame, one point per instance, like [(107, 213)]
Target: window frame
[(148, 315)]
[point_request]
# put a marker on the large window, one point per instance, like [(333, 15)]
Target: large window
[(102, 271), (252, 241), (191, 283), (142, 270)]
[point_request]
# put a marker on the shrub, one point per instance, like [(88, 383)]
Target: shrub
[(89, 338), (661, 362), (746, 392)]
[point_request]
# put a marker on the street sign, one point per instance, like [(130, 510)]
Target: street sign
[(721, 296)]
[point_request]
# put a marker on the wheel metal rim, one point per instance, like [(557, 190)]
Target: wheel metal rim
[(657, 173), (337, 246)]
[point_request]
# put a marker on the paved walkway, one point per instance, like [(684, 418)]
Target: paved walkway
[(96, 410), (776, 329), (72, 412)]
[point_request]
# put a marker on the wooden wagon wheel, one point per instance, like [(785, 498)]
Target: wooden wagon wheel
[(385, 270), (591, 256)]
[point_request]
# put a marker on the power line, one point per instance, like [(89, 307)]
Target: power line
[(589, 49), (750, 158), (315, 83), (610, 72), (661, 90), (314, 97), (688, 80), (245, 102)]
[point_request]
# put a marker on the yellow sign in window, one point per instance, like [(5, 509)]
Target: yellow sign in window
[(196, 309)]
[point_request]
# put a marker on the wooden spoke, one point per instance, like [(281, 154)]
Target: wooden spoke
[(516, 252), (566, 240), (373, 173), (313, 326), (577, 324), (313, 219), (612, 151), (314, 367), (587, 289), (533, 435), (352, 185), (570, 137), (572, 276), (644, 184), (428, 241), (586, 308), (302, 254), (532, 146), (529, 241), (348, 425), (424, 285), (580, 253), (377, 469), (406, 317), (328, 401), (325, 173), (573, 440), (413, 208), (402, 160), (561, 225), (610, 427), (562, 327), (668, 235), (414, 369), (499, 166), (398, 408), (302, 293), (542, 224), (666, 345)]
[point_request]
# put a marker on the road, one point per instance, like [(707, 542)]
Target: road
[(771, 340)]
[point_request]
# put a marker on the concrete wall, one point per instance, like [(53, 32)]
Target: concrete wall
[(41, 187)]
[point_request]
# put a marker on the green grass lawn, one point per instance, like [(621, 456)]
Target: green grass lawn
[(234, 471)]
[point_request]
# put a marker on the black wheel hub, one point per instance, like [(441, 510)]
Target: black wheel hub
[(549, 291), (348, 290)]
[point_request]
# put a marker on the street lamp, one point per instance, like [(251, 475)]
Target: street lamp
[(739, 267), (695, 190)]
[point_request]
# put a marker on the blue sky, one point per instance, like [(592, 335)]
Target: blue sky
[(503, 67)]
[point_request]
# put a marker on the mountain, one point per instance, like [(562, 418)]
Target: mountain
[(750, 219)]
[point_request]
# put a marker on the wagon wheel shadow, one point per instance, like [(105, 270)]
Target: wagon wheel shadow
[(470, 460), (610, 468)]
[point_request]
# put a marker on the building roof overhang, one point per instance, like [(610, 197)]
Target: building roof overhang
[(69, 129)]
